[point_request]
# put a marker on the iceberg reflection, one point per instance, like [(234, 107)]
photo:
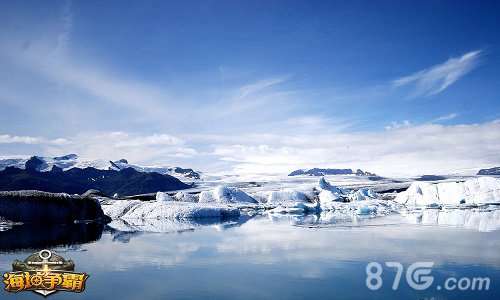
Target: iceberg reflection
[(486, 219)]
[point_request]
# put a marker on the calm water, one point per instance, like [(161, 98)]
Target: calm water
[(258, 257)]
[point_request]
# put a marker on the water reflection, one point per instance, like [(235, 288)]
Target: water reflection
[(123, 230), (274, 256), (486, 219), (35, 236)]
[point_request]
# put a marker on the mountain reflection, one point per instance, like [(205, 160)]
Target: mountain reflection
[(35, 236)]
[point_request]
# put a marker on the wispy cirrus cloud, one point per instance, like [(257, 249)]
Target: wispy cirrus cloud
[(260, 85), (435, 79), (67, 26), (445, 118)]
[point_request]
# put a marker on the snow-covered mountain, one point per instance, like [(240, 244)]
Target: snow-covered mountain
[(492, 171), (323, 172), (173, 171), (66, 162)]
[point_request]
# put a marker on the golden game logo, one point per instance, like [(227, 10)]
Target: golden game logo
[(44, 272)]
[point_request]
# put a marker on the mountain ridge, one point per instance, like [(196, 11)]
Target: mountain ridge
[(126, 182), (66, 162), (327, 171)]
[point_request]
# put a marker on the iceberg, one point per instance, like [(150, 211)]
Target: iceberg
[(323, 185), (328, 198), (362, 194), (297, 208), (481, 190), (372, 206), (225, 195), (287, 197), (163, 197), (185, 197), (136, 209)]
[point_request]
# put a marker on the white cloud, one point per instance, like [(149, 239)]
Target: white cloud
[(437, 78), (396, 125), (124, 140), (420, 149), (7, 139), (149, 149), (412, 150)]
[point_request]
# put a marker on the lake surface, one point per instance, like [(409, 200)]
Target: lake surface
[(262, 256)]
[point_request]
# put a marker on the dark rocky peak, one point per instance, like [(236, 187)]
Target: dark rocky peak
[(128, 171), (34, 163), (56, 169), (12, 170), (190, 173)]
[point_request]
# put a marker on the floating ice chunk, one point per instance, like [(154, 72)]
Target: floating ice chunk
[(473, 191), (163, 197), (287, 196), (225, 195), (297, 208), (327, 199), (366, 210), (323, 185), (259, 197), (372, 194), (363, 194), (328, 196), (185, 197), (136, 209)]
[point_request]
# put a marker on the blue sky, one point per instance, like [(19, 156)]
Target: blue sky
[(394, 87)]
